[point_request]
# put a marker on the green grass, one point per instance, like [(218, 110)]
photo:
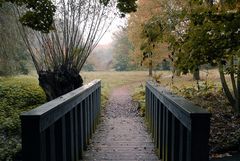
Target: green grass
[(112, 80)]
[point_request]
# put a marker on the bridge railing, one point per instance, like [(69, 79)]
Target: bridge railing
[(60, 129), (180, 129)]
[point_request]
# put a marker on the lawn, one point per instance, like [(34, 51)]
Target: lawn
[(111, 80)]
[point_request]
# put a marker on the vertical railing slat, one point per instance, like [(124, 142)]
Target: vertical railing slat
[(157, 124), (64, 150), (80, 130), (199, 137), (76, 133), (84, 107), (164, 133), (69, 136), (152, 113), (155, 120), (181, 146), (168, 135), (58, 140), (27, 137), (160, 130), (88, 119), (52, 143), (175, 139), (94, 111)]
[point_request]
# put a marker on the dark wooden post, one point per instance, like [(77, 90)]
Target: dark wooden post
[(32, 139), (199, 137)]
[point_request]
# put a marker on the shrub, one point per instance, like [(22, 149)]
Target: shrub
[(139, 96), (17, 94)]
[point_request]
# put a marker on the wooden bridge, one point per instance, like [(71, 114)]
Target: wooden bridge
[(60, 130)]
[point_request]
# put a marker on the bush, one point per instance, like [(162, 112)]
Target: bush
[(225, 124), (17, 94), (139, 96)]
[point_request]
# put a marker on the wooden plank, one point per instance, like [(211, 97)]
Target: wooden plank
[(84, 125), (152, 112), (98, 105), (69, 138), (94, 111), (88, 119), (160, 130), (80, 129), (64, 150), (199, 138), (146, 103), (52, 143), (153, 118), (58, 140), (32, 140), (157, 123), (91, 115), (188, 146), (76, 132), (164, 134), (181, 146), (175, 139), (168, 135), (43, 146)]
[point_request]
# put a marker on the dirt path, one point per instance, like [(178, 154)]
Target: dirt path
[(121, 134)]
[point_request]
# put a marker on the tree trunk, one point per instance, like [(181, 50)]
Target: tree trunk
[(237, 106), (58, 82), (150, 68), (177, 73), (196, 74), (230, 97)]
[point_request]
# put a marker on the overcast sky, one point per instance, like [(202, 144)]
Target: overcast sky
[(107, 38)]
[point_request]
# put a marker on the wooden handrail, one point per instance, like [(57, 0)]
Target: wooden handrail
[(60, 129), (179, 128)]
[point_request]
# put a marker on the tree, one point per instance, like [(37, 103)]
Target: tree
[(152, 34), (13, 54), (38, 15), (59, 55), (121, 51), (145, 31), (213, 37), (88, 67)]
